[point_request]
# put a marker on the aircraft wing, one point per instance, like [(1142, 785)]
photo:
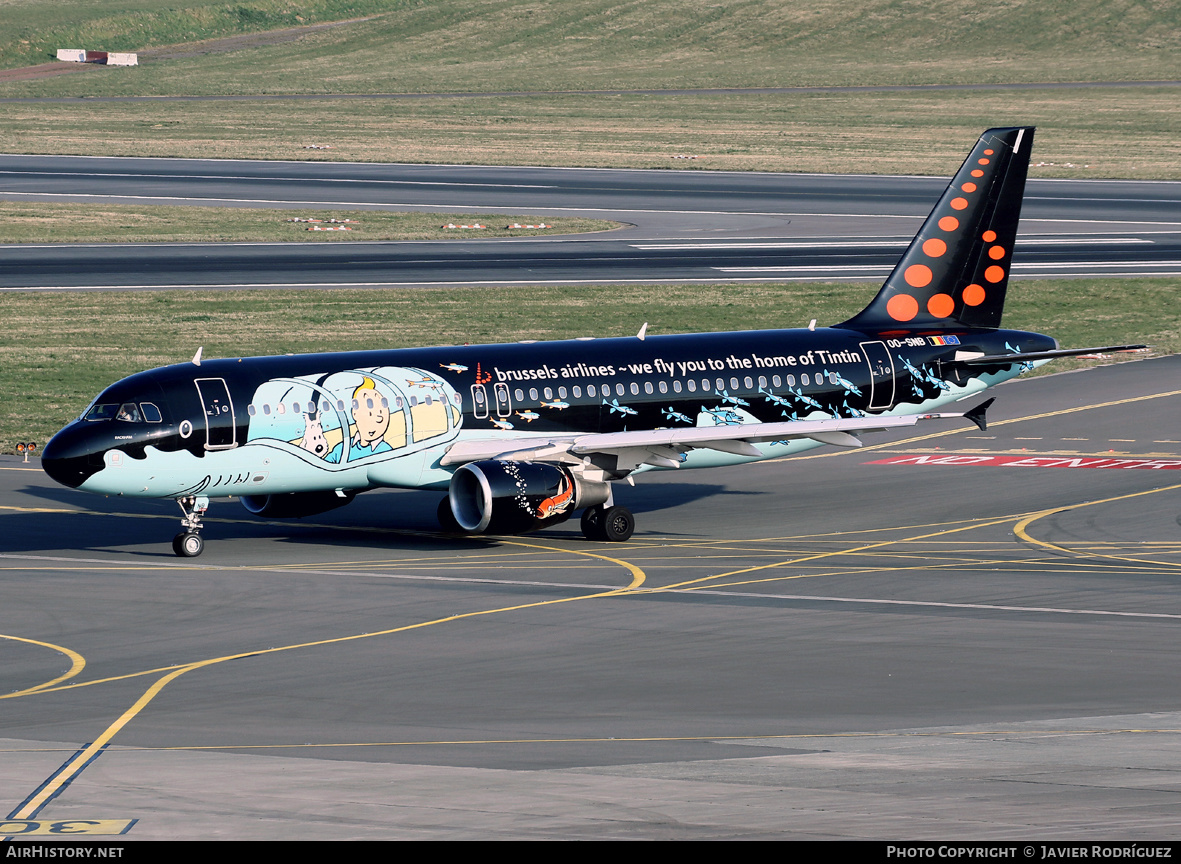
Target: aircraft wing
[(533, 449), (662, 448)]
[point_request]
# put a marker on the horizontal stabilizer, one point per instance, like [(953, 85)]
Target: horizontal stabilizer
[(994, 359)]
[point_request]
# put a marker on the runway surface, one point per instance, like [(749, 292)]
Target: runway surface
[(684, 225), (962, 635)]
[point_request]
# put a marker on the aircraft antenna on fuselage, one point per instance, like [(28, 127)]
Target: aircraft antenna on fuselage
[(197, 356)]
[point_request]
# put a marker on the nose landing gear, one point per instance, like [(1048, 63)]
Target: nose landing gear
[(188, 543)]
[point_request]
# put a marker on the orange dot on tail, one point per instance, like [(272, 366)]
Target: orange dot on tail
[(917, 275), (983, 161), (949, 223), (988, 152), (941, 305), (996, 253), (902, 307), (974, 294), (994, 273), (934, 247), (988, 236), (969, 187), (976, 172), (959, 203)]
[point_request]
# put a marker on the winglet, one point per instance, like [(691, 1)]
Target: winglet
[(976, 415)]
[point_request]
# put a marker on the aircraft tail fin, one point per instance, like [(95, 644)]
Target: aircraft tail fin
[(956, 270)]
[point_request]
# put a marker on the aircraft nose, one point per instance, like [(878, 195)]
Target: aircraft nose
[(70, 457)]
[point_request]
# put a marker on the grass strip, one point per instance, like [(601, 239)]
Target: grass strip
[(497, 45), (60, 349), (1086, 133), (149, 223)]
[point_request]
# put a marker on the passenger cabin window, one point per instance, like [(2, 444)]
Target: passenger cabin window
[(479, 401), (503, 407)]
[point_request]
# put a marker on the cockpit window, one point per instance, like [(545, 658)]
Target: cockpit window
[(129, 412), (151, 413), (105, 411)]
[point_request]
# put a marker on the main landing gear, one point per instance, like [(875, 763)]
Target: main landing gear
[(188, 543), (603, 523), (612, 524)]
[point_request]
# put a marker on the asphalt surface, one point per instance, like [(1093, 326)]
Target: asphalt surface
[(683, 225), (826, 647)]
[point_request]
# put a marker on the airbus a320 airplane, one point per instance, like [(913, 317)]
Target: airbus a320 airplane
[(524, 435)]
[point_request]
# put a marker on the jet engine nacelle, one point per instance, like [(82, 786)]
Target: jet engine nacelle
[(294, 505), (503, 497)]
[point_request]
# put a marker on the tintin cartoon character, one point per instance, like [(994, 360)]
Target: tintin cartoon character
[(371, 418)]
